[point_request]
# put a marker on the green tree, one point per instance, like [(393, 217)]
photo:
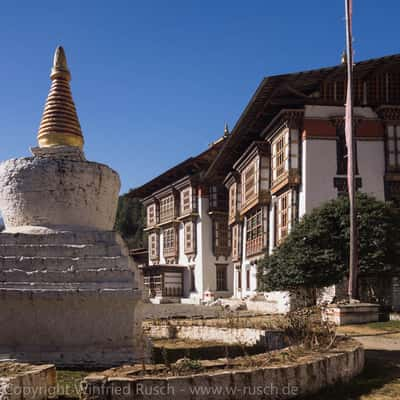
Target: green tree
[(130, 221), (316, 252)]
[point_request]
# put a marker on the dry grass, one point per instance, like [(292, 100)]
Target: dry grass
[(12, 369)]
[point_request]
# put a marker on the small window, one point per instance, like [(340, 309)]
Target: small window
[(222, 279), (248, 279)]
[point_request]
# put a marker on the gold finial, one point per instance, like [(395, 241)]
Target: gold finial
[(60, 124), (226, 130), (60, 66), (344, 57)]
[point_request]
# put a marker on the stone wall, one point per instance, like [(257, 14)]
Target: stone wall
[(161, 311), (91, 329), (246, 336), (265, 383)]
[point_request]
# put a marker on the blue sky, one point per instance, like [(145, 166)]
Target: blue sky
[(155, 81)]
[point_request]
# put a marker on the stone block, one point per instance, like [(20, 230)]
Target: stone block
[(348, 314)]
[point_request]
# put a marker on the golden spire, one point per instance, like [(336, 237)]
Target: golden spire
[(60, 124), (226, 130)]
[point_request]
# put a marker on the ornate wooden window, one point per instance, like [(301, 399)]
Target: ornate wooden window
[(167, 208), (255, 232), (218, 198), (232, 202), (221, 243), (151, 215), (169, 242), (187, 201), (280, 153), (249, 183), (222, 278), (285, 214), (236, 242), (153, 246), (393, 148), (190, 242)]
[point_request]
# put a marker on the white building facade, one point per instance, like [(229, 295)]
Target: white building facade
[(188, 236), (285, 156)]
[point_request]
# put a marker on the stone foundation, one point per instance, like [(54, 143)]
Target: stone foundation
[(27, 382), (270, 340), (68, 298), (348, 314), (267, 383)]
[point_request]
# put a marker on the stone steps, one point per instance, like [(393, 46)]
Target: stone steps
[(64, 286), (100, 275), (63, 261), (30, 264), (92, 237), (59, 250)]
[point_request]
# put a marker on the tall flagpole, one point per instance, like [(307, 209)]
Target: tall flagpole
[(353, 259)]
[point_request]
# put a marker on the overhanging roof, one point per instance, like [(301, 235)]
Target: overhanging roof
[(190, 166), (285, 91)]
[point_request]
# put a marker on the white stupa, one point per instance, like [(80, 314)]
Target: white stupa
[(67, 287)]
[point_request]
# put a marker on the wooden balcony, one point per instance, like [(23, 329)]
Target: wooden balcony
[(255, 246), (289, 179), (261, 198)]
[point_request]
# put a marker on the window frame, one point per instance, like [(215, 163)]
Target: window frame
[(167, 208), (221, 283)]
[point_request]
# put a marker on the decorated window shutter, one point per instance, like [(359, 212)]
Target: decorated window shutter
[(280, 155), (186, 201), (286, 215), (189, 231), (274, 163), (289, 211), (232, 200), (151, 215), (234, 242), (249, 185), (153, 246)]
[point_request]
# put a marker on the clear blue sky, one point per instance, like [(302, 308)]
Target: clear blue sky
[(154, 81)]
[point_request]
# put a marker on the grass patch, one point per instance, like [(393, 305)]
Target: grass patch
[(69, 383), (385, 326)]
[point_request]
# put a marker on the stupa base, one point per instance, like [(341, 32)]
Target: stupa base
[(68, 298)]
